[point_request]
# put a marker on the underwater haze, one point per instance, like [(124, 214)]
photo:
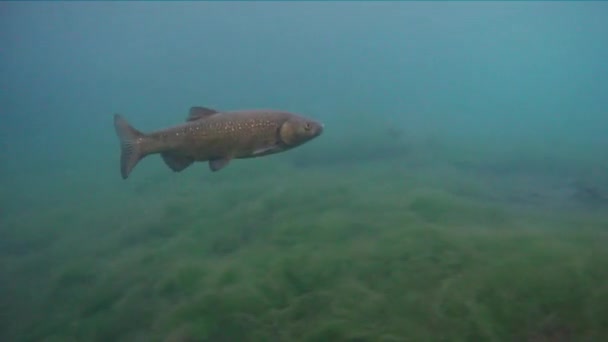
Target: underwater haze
[(459, 190)]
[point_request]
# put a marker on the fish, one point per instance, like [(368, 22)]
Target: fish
[(216, 137)]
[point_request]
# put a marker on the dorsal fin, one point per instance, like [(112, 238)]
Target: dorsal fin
[(197, 113)]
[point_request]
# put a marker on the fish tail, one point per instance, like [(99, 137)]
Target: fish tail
[(130, 145)]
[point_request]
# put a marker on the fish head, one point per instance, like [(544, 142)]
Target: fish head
[(298, 130)]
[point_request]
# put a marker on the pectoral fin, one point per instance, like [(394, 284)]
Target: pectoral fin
[(218, 164), (267, 150)]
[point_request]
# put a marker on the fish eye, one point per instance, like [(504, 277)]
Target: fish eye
[(307, 126)]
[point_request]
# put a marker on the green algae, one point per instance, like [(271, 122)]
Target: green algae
[(344, 254)]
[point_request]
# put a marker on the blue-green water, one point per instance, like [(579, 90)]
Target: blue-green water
[(459, 191)]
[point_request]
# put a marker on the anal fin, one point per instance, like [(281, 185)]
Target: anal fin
[(175, 162), (218, 164)]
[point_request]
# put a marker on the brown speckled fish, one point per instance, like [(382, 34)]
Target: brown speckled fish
[(217, 137)]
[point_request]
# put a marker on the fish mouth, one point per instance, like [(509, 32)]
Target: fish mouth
[(320, 128)]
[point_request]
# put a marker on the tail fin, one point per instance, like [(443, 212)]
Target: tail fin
[(130, 145)]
